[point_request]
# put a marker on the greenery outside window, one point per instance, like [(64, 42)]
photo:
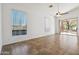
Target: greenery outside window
[(19, 22)]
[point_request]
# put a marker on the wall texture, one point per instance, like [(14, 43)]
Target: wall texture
[(37, 13), (0, 28)]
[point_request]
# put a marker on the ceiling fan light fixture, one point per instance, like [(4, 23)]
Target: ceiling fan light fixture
[(58, 14)]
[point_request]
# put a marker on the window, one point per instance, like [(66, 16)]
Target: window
[(73, 25), (68, 25), (19, 22)]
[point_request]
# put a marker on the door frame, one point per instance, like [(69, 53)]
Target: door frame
[(68, 18)]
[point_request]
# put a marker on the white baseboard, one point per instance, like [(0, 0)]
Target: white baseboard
[(24, 38)]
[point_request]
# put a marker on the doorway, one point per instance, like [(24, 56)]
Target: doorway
[(68, 26)]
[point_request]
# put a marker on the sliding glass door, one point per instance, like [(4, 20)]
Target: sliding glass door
[(68, 25)]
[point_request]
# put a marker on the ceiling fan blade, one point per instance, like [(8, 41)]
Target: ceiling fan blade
[(64, 13)]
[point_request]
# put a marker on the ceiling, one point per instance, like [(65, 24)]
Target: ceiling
[(65, 7)]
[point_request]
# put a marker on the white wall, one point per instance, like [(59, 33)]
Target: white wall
[(37, 13), (65, 7), (57, 26), (0, 28)]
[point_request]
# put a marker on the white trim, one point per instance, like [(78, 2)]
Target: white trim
[(25, 38)]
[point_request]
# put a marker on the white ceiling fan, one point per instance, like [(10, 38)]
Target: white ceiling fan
[(59, 13)]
